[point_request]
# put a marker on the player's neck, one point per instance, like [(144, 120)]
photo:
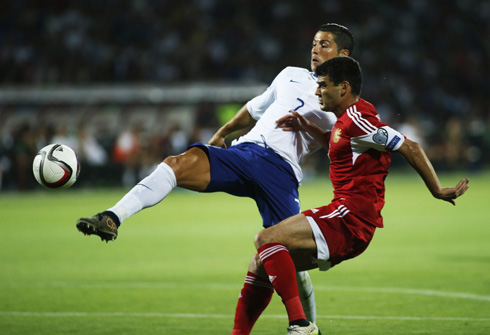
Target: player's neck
[(349, 101)]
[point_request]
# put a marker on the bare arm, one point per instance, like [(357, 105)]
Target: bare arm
[(296, 122), (415, 155), (241, 120)]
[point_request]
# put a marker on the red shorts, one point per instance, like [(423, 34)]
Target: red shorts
[(342, 229)]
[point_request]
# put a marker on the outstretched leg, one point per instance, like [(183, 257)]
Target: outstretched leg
[(189, 170)]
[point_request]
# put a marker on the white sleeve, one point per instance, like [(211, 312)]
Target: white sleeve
[(382, 139), (258, 105)]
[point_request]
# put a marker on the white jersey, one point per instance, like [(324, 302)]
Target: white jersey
[(293, 88)]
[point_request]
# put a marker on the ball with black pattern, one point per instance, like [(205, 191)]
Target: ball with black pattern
[(56, 167)]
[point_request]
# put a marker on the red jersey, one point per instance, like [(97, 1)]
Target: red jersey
[(359, 153)]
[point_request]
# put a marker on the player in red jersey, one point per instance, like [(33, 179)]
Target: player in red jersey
[(360, 147)]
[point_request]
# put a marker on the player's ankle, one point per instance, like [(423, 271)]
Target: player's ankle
[(300, 322), (113, 216)]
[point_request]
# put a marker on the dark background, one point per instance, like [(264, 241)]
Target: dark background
[(426, 66)]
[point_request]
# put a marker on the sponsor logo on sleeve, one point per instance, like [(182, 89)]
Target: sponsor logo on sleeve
[(393, 142), (381, 136)]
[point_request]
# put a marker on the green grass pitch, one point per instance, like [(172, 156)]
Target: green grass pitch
[(177, 268)]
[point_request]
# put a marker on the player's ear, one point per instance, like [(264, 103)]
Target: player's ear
[(344, 87), (344, 52)]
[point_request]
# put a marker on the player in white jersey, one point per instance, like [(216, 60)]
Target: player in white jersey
[(292, 88), (264, 164)]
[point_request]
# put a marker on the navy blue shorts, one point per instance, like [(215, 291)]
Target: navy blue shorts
[(250, 170)]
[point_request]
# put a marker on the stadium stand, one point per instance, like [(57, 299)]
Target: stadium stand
[(96, 69)]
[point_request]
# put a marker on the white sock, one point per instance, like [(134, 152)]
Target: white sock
[(307, 295), (148, 192)]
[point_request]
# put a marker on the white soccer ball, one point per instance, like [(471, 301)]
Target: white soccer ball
[(56, 166)]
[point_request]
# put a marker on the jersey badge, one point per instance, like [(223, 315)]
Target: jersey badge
[(381, 136), (336, 135)]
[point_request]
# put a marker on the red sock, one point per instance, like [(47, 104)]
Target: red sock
[(282, 274), (254, 298)]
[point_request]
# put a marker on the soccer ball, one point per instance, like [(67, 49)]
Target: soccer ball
[(56, 166)]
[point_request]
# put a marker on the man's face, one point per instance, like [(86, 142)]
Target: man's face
[(328, 94), (323, 48)]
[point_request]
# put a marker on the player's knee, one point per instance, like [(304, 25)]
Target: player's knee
[(171, 161), (180, 164), (190, 159), (262, 238), (177, 165), (191, 168)]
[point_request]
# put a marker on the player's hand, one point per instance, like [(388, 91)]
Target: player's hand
[(292, 122), (449, 194), (217, 141)]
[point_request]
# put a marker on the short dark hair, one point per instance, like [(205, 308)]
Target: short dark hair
[(343, 37), (339, 69)]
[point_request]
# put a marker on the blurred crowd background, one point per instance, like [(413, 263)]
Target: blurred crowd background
[(426, 66)]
